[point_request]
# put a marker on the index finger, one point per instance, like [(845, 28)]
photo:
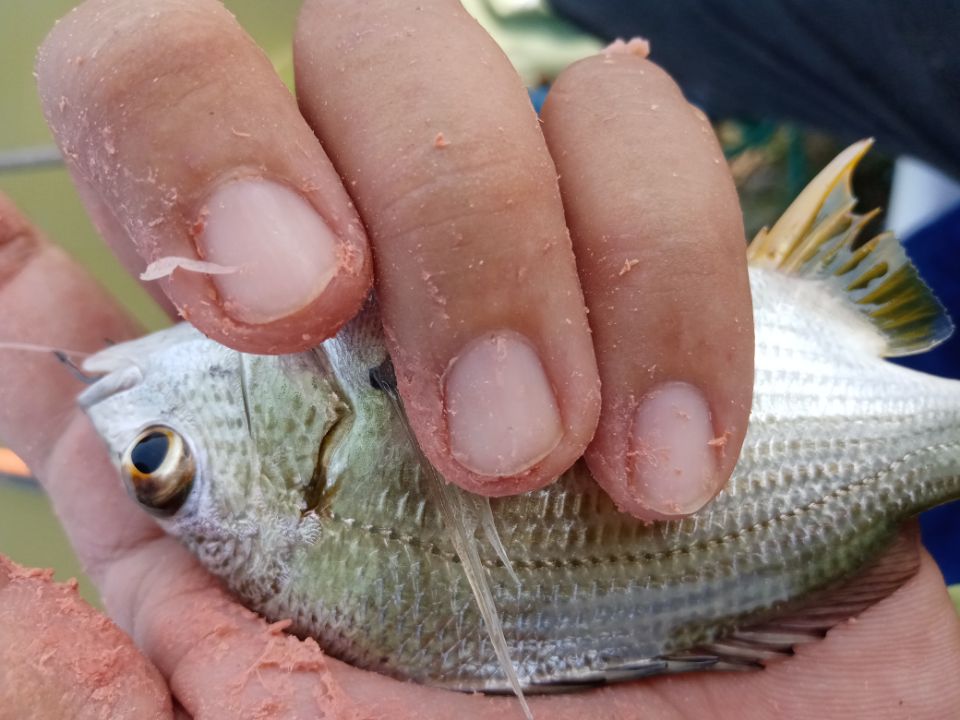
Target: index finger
[(477, 282), (185, 146)]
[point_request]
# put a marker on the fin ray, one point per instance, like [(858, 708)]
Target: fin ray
[(462, 514), (776, 638), (817, 238)]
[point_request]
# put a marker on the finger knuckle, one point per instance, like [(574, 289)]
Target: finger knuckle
[(458, 194)]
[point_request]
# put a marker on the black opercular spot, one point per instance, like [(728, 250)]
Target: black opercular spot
[(382, 377), (148, 454)]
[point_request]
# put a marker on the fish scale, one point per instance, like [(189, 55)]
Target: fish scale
[(311, 502), (753, 547)]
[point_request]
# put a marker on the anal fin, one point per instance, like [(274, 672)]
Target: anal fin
[(812, 617), (754, 646)]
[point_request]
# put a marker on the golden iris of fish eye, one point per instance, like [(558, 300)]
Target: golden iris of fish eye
[(163, 491)]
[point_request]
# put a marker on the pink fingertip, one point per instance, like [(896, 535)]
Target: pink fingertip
[(502, 414), (672, 466)]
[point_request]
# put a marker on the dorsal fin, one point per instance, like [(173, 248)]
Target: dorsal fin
[(817, 238)]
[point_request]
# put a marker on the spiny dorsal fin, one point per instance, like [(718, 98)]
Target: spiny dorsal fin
[(816, 237), (758, 645)]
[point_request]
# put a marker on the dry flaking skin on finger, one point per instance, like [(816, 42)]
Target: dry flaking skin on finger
[(61, 658), (460, 198), (224, 661), (197, 150), (634, 46)]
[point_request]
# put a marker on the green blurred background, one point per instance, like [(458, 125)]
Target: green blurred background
[(29, 533)]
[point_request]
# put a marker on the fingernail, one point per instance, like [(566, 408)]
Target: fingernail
[(502, 414), (672, 466), (284, 252)]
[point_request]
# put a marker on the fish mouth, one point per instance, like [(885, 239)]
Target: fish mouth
[(109, 385), (120, 366)]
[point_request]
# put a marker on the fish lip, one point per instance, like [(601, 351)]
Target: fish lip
[(121, 366), (109, 385)]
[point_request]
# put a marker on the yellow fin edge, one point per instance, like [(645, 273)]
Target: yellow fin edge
[(817, 238)]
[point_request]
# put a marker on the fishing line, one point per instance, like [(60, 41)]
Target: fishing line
[(62, 355), (30, 347)]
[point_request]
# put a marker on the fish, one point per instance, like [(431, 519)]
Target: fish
[(296, 480)]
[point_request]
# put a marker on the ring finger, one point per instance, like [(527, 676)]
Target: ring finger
[(660, 247)]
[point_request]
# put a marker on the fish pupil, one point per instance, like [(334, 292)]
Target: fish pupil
[(148, 454)]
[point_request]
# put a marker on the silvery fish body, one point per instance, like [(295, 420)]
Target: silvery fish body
[(310, 501)]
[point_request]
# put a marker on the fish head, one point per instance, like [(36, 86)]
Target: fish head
[(223, 448)]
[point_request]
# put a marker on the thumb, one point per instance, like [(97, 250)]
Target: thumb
[(61, 658)]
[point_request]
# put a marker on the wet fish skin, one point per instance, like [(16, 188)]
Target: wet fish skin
[(311, 501), (841, 448)]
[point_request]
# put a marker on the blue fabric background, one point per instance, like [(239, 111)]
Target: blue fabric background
[(935, 250)]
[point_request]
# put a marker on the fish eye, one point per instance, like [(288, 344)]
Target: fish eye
[(158, 470)]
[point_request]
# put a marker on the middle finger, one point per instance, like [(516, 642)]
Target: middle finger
[(432, 130)]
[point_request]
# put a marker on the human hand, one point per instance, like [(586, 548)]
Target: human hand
[(219, 660), (184, 143), (150, 156), (222, 661)]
